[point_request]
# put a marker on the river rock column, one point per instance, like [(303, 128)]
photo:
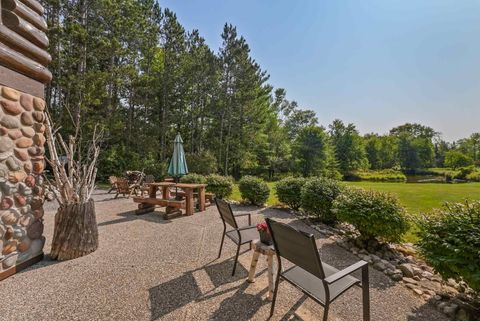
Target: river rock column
[(23, 75), (21, 163)]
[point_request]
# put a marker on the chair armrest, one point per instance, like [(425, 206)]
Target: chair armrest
[(245, 214), (246, 227), (241, 214), (347, 271)]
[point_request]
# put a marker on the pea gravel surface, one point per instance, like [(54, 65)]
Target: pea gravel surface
[(147, 268)]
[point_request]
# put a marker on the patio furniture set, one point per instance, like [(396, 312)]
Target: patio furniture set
[(318, 280)]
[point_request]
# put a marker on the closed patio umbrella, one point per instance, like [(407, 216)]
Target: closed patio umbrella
[(178, 163)]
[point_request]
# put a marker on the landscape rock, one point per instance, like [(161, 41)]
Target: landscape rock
[(39, 104), (38, 116), (407, 270), (24, 142), (15, 134), (6, 144), (28, 131)]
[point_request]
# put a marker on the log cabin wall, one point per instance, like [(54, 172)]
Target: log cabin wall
[(23, 75)]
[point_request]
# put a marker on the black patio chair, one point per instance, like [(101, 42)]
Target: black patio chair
[(320, 281), (239, 235)]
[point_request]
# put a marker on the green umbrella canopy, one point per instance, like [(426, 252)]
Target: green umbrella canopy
[(178, 163)]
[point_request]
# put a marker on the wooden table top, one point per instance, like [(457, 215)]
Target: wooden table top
[(180, 185)]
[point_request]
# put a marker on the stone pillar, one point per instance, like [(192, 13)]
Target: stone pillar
[(23, 75)]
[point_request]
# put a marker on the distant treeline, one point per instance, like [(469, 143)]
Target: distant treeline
[(132, 67)]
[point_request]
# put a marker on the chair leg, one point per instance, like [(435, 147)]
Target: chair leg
[(274, 299), (325, 312), (221, 245), (236, 260), (365, 294)]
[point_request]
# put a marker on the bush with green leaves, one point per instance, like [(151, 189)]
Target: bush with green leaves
[(474, 177), (376, 215), (193, 178), (317, 197), (450, 241), (221, 186), (203, 163), (289, 191), (254, 190)]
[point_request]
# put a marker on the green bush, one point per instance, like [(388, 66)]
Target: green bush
[(221, 186), (463, 172), (289, 191), (193, 178), (474, 177), (317, 197), (254, 190), (386, 175), (374, 214), (203, 163), (450, 241)]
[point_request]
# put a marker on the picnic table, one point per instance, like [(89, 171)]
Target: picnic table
[(173, 206)]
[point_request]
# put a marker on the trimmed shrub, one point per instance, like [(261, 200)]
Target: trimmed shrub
[(450, 241), (254, 190), (221, 186), (317, 197), (193, 178), (374, 214), (289, 191)]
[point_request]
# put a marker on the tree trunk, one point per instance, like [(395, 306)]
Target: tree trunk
[(76, 232)]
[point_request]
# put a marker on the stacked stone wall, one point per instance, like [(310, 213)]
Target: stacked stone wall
[(21, 165)]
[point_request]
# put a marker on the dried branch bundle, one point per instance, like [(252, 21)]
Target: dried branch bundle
[(75, 172)]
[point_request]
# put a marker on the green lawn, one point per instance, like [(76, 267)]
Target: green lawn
[(423, 197)]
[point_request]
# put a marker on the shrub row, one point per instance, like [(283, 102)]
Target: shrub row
[(386, 175), (254, 190), (221, 186), (374, 214)]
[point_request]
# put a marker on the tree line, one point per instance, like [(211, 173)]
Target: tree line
[(131, 67)]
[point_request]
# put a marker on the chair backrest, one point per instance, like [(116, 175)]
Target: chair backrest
[(149, 179), (296, 246), (226, 212)]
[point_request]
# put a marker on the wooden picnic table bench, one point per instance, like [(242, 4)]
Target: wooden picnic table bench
[(147, 204)]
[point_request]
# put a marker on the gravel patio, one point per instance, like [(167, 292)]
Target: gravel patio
[(150, 269)]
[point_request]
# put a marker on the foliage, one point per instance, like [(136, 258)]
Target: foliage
[(254, 189), (289, 191), (463, 172), (313, 151), (193, 178), (317, 197), (203, 163), (473, 177), (374, 214), (381, 151), (386, 175), (456, 159), (450, 241), (348, 146), (221, 186)]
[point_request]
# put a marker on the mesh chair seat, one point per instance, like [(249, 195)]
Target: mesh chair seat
[(313, 285), (247, 235)]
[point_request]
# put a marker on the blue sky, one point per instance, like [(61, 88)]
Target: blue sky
[(376, 63)]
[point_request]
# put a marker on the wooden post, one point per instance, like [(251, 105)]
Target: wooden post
[(189, 201), (201, 198), (165, 192), (152, 191)]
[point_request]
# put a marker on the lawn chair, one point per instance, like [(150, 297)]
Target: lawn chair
[(123, 187), (113, 181), (239, 235), (320, 281)]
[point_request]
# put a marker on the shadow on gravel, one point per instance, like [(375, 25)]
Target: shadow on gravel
[(131, 216), (176, 293), (46, 262), (426, 312)]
